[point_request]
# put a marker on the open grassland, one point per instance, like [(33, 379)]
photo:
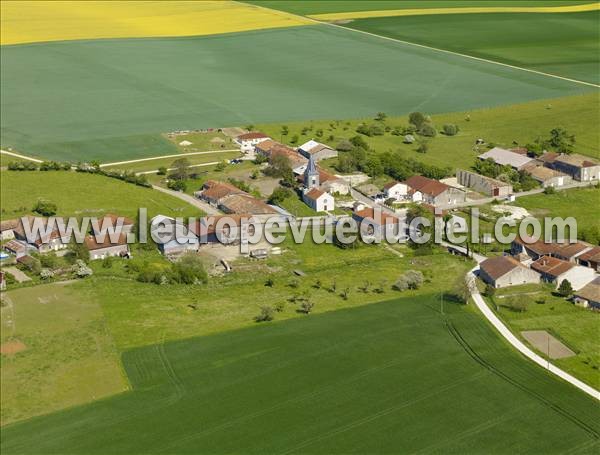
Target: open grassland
[(343, 6), (393, 376), (150, 165), (121, 95), (520, 123), (80, 194), (563, 44), (576, 327), (42, 20), (69, 357)]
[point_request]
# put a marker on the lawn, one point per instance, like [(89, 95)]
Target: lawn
[(69, 359), (80, 194), (563, 44), (121, 96), (152, 165), (520, 123), (389, 377), (574, 326)]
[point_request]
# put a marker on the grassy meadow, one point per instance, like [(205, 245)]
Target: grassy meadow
[(81, 194), (69, 356), (154, 164), (122, 96)]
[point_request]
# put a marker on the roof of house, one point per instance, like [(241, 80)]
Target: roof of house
[(208, 224), (92, 243), (499, 266), (15, 246), (111, 219), (426, 185), (55, 234), (505, 157), (542, 173), (571, 250), (520, 150), (369, 214), (548, 157), (324, 177), (244, 203), (313, 146), (390, 185), (9, 225), (218, 190), (578, 160), (314, 194), (252, 135), (551, 266), (591, 255), (267, 145), (590, 291), (567, 250)]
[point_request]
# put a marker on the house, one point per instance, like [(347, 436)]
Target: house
[(548, 177), (328, 182), (396, 190), (214, 192), (591, 258), (16, 247), (270, 149), (589, 295), (44, 241), (102, 249), (503, 271), (318, 200), (570, 251), (483, 184), (248, 141), (503, 157), (227, 229), (230, 199), (376, 223), (113, 223), (580, 167), (317, 150), (7, 229), (434, 192), (567, 251), (554, 270), (172, 238)]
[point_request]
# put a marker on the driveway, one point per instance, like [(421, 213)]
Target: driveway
[(19, 276)]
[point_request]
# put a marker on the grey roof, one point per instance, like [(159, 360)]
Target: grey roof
[(506, 157)]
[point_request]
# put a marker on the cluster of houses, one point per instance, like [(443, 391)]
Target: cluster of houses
[(20, 246), (536, 261), (423, 189), (230, 199)]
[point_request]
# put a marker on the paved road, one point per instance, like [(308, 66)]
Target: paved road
[(28, 158), (206, 208)]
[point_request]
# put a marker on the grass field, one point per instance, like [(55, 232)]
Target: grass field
[(563, 44), (69, 358), (574, 326), (41, 21), (151, 165), (323, 383), (79, 194), (121, 95)]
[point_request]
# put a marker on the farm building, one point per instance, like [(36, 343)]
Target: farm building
[(483, 184), (16, 247), (172, 238), (230, 199), (248, 141), (101, 249), (114, 223), (43, 240), (503, 157), (7, 229), (568, 251), (503, 271), (589, 295), (317, 150), (226, 229), (548, 177), (554, 270), (376, 223), (591, 258), (580, 167), (434, 192)]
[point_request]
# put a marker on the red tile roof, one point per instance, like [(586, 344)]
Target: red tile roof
[(314, 194), (426, 185), (91, 242), (499, 266), (553, 267), (251, 135), (369, 214)]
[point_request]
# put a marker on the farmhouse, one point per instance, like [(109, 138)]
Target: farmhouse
[(270, 149), (7, 229), (434, 192), (317, 150), (318, 200), (19, 249), (589, 295), (377, 223), (503, 157), (102, 249), (44, 241), (396, 190), (214, 192), (535, 249), (591, 258), (483, 184), (580, 167), (248, 141), (114, 223), (503, 271), (230, 199), (548, 177), (554, 270), (227, 229)]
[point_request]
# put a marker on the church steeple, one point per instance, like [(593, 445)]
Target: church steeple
[(311, 174)]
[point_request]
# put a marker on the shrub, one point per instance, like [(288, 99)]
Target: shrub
[(280, 306), (418, 119), (81, 270), (344, 146), (428, 130), (306, 307), (45, 207), (189, 269), (412, 279), (549, 190), (280, 194), (107, 262), (565, 289), (162, 171), (46, 274), (450, 129), (177, 185), (266, 314)]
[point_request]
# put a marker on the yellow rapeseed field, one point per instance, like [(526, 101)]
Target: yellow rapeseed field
[(40, 20), (458, 10)]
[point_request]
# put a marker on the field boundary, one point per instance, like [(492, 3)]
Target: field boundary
[(459, 10), (176, 155), (18, 155), (472, 57)]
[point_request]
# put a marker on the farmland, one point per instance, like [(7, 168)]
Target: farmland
[(80, 194), (121, 96), (229, 391)]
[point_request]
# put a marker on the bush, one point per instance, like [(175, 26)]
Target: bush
[(177, 185), (428, 130), (412, 279), (280, 194), (306, 307), (549, 190), (45, 207), (450, 129), (107, 262), (266, 314), (22, 166), (162, 171), (418, 119), (189, 270), (565, 289), (81, 270), (344, 146), (46, 274)]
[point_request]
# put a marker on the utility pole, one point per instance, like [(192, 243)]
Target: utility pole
[(442, 302)]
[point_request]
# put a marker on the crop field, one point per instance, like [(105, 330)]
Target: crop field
[(43, 20), (121, 96), (68, 355), (80, 194), (415, 381)]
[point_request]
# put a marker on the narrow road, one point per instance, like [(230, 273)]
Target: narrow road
[(23, 157), (177, 155), (206, 208), (212, 163)]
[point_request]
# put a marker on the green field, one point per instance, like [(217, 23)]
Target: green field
[(152, 165), (69, 355), (414, 381), (123, 93), (563, 44), (81, 194), (342, 6)]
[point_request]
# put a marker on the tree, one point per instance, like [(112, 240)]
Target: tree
[(177, 185), (279, 195), (266, 314), (423, 145), (162, 171), (285, 130), (427, 130), (565, 289), (561, 141), (295, 138), (181, 171), (189, 269), (490, 290), (344, 146), (450, 129), (306, 307), (79, 252), (381, 116), (418, 119), (45, 207), (462, 289)]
